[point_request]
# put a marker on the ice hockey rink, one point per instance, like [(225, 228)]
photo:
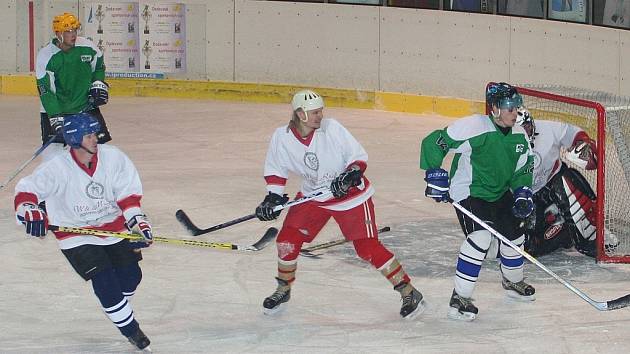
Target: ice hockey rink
[(206, 157)]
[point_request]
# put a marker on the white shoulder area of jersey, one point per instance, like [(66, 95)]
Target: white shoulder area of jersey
[(330, 123), (84, 42), (471, 126)]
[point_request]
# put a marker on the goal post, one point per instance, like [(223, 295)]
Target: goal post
[(606, 118)]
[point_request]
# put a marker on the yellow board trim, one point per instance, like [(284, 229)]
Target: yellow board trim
[(265, 93)]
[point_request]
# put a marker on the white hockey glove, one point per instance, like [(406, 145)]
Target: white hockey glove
[(34, 219), (139, 225)]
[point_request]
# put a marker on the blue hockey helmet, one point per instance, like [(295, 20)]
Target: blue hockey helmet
[(503, 96), (76, 126)]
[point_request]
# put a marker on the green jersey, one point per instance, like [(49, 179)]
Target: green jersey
[(64, 78), (487, 162)]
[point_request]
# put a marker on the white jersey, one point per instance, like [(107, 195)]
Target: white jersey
[(550, 137), (80, 197), (318, 159)]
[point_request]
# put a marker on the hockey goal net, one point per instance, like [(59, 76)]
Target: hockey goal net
[(606, 118)]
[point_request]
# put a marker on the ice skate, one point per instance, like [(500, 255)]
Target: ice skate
[(140, 341), (413, 303), (462, 308), (277, 301), (520, 291)]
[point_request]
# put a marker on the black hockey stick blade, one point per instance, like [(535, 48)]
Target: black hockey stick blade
[(196, 231), (619, 303), (269, 235)]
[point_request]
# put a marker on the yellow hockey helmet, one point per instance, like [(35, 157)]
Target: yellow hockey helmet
[(65, 22)]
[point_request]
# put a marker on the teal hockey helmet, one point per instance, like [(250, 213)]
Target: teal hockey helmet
[(503, 95)]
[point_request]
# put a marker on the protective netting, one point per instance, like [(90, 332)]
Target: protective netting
[(581, 109)]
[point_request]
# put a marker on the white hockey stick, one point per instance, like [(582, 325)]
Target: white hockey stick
[(23, 166), (599, 305)]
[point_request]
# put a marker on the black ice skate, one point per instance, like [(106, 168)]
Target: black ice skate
[(462, 308), (413, 302), (278, 299), (520, 291), (140, 340)]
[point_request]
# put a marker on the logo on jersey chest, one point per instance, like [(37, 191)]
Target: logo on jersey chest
[(520, 148), (95, 190), (86, 58), (311, 161)]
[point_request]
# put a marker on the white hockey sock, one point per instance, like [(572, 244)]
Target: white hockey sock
[(512, 261), (121, 313), (471, 255)]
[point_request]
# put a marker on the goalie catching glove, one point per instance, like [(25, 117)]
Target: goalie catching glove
[(139, 225), (351, 177), (264, 211), (437, 184), (34, 219), (583, 153)]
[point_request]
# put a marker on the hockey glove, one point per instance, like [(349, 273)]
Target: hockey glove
[(264, 211), (139, 225), (523, 202), (583, 154), (348, 178), (34, 218), (437, 185), (56, 128), (99, 94)]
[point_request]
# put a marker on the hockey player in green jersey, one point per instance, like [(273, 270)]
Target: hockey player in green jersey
[(70, 79), (491, 176)]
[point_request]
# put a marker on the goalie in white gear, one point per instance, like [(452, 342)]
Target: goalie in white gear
[(565, 202)]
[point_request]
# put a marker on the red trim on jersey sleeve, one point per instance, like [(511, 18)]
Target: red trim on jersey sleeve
[(93, 162), (276, 180), (24, 197), (305, 141), (362, 165), (132, 201), (118, 225)]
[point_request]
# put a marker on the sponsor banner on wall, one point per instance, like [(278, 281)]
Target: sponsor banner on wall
[(568, 10), (162, 37), (113, 27), (617, 13)]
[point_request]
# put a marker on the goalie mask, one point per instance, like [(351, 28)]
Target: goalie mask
[(526, 120)]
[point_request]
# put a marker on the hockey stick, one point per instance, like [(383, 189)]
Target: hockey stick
[(269, 235), (307, 252), (621, 302), (23, 166), (196, 231)]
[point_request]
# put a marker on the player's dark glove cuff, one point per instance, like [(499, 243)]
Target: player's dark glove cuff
[(264, 211)]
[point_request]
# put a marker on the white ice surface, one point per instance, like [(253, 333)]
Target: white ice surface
[(206, 157)]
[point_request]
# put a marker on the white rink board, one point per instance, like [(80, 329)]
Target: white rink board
[(206, 158)]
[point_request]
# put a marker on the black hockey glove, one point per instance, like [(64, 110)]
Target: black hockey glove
[(264, 211), (99, 94), (523, 202), (348, 178), (56, 128)]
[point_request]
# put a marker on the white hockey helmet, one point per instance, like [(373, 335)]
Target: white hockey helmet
[(307, 100)]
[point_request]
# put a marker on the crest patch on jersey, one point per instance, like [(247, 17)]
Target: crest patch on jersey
[(520, 148), (41, 88), (311, 161), (86, 58), (441, 143), (95, 190)]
